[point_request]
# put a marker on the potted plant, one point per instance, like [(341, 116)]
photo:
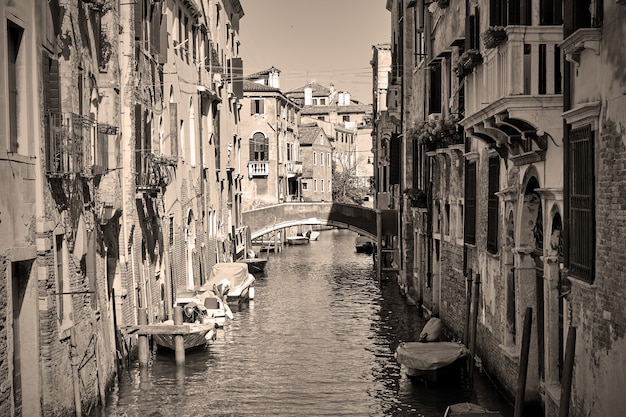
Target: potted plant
[(494, 36), (437, 133), (467, 61)]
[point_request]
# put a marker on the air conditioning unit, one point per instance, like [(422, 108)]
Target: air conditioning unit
[(434, 116)]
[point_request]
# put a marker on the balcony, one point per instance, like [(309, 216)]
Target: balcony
[(293, 168), (258, 169), (525, 68), (514, 99), (68, 136), (153, 172)]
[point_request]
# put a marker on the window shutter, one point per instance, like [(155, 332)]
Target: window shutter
[(163, 39), (470, 203), (138, 124), (581, 200), (155, 30), (237, 76), (492, 205), (138, 19), (394, 157), (469, 30), (174, 130), (261, 106), (253, 106)]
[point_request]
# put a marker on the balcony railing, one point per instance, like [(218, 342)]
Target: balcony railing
[(258, 169), (153, 172), (528, 64), (293, 168), (68, 136)]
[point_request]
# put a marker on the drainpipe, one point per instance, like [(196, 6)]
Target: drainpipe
[(568, 29)]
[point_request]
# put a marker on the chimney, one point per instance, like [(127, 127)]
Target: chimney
[(308, 96)]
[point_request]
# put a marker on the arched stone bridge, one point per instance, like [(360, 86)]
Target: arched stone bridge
[(267, 219)]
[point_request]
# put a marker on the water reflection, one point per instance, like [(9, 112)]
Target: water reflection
[(317, 340)]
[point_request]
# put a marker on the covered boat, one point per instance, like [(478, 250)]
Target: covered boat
[(431, 361), (469, 410), (231, 279), (364, 244)]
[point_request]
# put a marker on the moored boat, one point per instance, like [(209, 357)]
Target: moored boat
[(231, 279), (297, 240), (431, 361), (208, 306), (364, 244), (313, 235), (195, 335), (256, 264), (469, 410)]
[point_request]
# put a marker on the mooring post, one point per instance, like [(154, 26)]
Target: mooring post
[(379, 244), (179, 342), (568, 370), (74, 361), (142, 342), (520, 398), (468, 306), (474, 324)]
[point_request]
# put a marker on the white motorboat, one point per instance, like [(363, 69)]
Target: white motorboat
[(231, 279)]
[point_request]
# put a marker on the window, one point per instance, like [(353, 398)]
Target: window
[(492, 204), (289, 152), (314, 158), (257, 106), (14, 43), (470, 203), (551, 12), (447, 219), (315, 185), (581, 203), (192, 134), (259, 147), (322, 185), (321, 159), (328, 159), (346, 118), (305, 186)]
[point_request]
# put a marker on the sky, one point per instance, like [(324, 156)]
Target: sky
[(328, 41)]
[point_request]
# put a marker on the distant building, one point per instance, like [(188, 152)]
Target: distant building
[(347, 122), (316, 153), (270, 145)]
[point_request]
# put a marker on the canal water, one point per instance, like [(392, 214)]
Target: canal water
[(317, 340)]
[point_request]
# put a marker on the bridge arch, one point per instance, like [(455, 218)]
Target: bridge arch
[(265, 220)]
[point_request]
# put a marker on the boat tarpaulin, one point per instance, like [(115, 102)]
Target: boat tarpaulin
[(429, 356), (235, 272)]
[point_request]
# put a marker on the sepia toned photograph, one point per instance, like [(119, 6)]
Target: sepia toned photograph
[(317, 208)]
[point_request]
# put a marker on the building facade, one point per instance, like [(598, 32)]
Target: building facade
[(509, 145), (122, 157), (316, 151), (270, 142)]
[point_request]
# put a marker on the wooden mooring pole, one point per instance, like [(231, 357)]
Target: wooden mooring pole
[(568, 370), (475, 296), (468, 307), (74, 359), (520, 398), (142, 341), (179, 342)]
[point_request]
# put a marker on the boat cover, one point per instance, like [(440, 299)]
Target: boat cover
[(235, 272), (469, 409), (429, 356)]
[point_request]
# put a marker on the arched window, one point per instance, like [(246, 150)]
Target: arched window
[(259, 147)]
